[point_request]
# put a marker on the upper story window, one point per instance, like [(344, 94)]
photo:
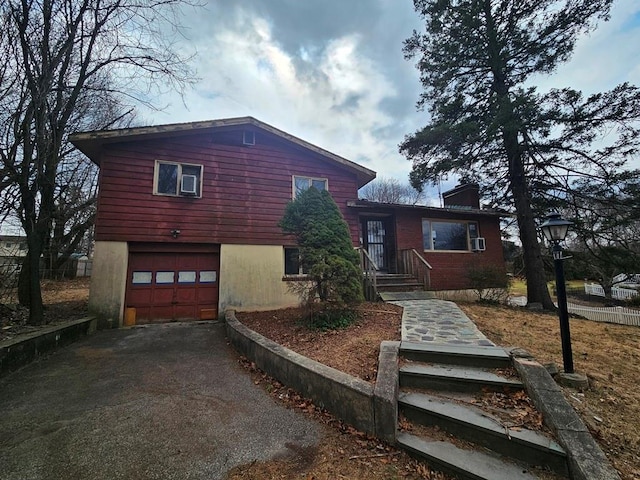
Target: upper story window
[(178, 179), (300, 184), (448, 235)]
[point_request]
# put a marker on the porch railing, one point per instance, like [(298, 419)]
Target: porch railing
[(369, 269), (410, 262)]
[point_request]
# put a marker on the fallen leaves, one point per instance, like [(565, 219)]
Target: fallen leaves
[(514, 408)]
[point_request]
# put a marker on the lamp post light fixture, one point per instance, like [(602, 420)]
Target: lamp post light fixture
[(555, 230)]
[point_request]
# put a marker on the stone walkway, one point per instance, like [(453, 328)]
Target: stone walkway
[(438, 322)]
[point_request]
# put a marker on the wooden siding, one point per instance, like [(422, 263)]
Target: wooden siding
[(244, 193), (450, 268)]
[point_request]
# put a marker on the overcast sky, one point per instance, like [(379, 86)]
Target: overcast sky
[(332, 71)]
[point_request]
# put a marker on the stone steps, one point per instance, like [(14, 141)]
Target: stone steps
[(454, 378), (459, 463), (501, 452), (466, 355), (476, 426)]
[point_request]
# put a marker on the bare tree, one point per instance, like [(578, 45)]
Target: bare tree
[(60, 58), (607, 228), (391, 190)]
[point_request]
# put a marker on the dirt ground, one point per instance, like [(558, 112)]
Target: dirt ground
[(608, 354), (353, 350), (63, 301)]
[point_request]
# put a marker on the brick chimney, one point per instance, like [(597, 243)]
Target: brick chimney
[(465, 196)]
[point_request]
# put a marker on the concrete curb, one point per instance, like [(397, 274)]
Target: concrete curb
[(354, 401), (385, 392), (18, 352), (585, 458)]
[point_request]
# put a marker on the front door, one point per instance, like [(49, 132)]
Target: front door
[(374, 234)]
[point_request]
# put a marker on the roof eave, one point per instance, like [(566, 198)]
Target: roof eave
[(366, 205), (91, 143)]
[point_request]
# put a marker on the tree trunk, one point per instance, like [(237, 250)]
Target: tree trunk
[(29, 291), (537, 291)]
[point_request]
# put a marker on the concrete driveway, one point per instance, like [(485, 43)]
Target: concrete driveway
[(165, 401)]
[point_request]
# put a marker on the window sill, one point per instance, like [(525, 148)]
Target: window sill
[(449, 251), (175, 195), (296, 278)]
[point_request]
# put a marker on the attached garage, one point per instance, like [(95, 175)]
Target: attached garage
[(165, 284)]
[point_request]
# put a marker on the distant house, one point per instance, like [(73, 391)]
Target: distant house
[(187, 221), (13, 249)]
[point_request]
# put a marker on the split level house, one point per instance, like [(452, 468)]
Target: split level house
[(187, 222)]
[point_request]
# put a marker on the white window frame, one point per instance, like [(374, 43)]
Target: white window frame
[(442, 220), (179, 166), (310, 181)]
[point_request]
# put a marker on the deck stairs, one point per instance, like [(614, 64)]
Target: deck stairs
[(397, 282), (444, 421)]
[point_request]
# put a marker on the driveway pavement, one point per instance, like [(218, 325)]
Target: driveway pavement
[(165, 401)]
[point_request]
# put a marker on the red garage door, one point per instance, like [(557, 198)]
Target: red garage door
[(165, 286)]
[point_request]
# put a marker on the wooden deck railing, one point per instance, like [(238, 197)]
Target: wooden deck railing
[(369, 269), (410, 262)]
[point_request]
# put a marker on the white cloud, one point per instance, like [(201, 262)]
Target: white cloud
[(334, 103), (342, 84)]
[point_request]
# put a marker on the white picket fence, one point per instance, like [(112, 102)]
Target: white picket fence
[(617, 293), (620, 315)]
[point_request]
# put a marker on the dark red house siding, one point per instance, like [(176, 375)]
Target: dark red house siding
[(450, 268), (244, 193)]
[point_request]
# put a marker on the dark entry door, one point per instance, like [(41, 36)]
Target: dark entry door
[(374, 237)]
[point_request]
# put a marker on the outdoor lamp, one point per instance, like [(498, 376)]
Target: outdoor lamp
[(555, 230)]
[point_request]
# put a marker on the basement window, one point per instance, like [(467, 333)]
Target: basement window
[(292, 264)]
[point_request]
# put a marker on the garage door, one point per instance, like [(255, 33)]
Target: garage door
[(165, 286)]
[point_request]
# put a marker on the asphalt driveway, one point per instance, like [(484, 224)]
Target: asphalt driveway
[(165, 401)]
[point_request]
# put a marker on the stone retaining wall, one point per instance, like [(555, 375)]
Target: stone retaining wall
[(18, 352), (371, 409)]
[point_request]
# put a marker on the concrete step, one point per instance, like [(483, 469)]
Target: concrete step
[(400, 296), (462, 464), (454, 378), (473, 356), (400, 287), (476, 426), (382, 278)]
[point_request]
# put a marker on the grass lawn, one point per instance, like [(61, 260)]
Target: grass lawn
[(519, 286)]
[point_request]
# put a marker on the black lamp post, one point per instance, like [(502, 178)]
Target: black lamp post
[(555, 230)]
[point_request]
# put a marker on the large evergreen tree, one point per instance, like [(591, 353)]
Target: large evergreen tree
[(478, 60)]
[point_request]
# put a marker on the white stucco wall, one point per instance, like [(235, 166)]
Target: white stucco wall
[(109, 281), (251, 278)]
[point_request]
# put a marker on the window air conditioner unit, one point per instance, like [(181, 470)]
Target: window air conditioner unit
[(248, 138), (188, 184), (478, 244)]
